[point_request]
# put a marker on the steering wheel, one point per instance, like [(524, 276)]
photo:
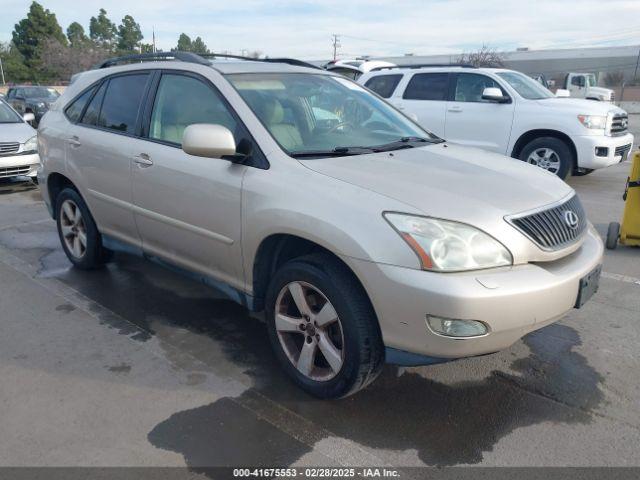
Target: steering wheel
[(341, 125)]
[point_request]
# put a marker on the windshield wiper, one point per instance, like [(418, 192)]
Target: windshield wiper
[(405, 142), (336, 152)]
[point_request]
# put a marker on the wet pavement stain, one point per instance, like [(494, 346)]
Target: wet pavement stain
[(122, 368), (225, 434)]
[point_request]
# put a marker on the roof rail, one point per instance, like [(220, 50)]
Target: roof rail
[(426, 65), (200, 59), (289, 61), (141, 57)]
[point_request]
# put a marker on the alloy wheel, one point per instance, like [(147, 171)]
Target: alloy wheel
[(545, 158), (310, 331), (73, 229)]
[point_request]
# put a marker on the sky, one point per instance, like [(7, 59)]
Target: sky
[(304, 28)]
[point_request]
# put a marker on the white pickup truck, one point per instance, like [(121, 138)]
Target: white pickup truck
[(584, 85), (508, 112)]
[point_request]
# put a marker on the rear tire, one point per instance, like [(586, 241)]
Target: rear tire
[(79, 236), (321, 280), (549, 153), (613, 233)]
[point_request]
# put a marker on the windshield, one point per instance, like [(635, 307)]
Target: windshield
[(591, 80), (320, 115), (525, 86), (41, 92), (8, 115)]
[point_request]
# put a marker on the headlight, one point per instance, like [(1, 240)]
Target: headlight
[(594, 122), (446, 246), (31, 145)]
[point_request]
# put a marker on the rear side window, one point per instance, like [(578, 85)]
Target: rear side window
[(92, 113), (383, 85), (122, 102), (427, 86), (74, 110)]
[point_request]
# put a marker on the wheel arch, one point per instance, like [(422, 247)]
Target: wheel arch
[(277, 249), (530, 135), (56, 182)]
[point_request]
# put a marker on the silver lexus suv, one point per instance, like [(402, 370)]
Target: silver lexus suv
[(363, 237)]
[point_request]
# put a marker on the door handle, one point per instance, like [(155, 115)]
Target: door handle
[(143, 160), (455, 109), (74, 141), (399, 107)]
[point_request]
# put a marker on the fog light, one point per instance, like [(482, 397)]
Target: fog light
[(602, 151), (456, 328)]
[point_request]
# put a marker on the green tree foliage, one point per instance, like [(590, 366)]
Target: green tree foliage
[(31, 33), (184, 43), (198, 46), (13, 64), (77, 37), (129, 35), (102, 30)]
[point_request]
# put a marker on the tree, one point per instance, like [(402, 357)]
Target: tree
[(198, 46), (77, 37), (184, 43), (484, 57), (31, 32), (102, 30), (614, 79), (13, 64), (129, 34), (60, 62)]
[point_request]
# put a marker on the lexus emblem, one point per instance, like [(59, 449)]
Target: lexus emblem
[(571, 219), (624, 123)]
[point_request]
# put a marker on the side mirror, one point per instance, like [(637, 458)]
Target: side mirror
[(208, 140), (29, 117), (563, 93), (494, 94)]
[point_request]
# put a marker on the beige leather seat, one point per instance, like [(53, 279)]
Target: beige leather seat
[(286, 134)]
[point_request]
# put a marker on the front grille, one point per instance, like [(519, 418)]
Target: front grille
[(552, 228), (8, 148), (619, 124), (622, 151), (14, 171)]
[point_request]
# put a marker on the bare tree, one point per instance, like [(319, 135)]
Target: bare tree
[(484, 57), (60, 62), (614, 79), (254, 54)]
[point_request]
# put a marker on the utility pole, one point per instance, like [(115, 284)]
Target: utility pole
[(336, 45), (635, 73), (2, 72)]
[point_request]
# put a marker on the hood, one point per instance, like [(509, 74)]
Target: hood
[(16, 132), (46, 100), (449, 181), (579, 106)]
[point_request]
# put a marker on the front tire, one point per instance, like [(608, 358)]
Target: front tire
[(323, 328), (613, 233), (79, 236), (549, 153)]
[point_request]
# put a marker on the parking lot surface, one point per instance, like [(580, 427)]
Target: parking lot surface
[(134, 365)]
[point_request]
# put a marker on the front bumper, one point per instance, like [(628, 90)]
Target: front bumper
[(512, 301), (586, 146), (19, 165)]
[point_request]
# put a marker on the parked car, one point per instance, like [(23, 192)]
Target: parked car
[(364, 240), (509, 113), (32, 99), (584, 85), (354, 68), (18, 144)]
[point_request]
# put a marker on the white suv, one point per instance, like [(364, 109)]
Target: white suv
[(507, 112)]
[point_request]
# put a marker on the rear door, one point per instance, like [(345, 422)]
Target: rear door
[(472, 121), (187, 207), (425, 96), (100, 148)]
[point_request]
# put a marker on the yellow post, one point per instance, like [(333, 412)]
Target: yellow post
[(630, 227)]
